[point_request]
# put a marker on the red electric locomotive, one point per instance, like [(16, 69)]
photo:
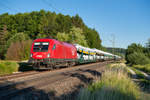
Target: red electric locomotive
[(49, 53)]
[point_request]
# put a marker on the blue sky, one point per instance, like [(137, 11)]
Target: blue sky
[(128, 20)]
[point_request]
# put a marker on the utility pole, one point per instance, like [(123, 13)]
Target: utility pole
[(113, 43)]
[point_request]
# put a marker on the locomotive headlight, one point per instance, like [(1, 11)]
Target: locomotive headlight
[(31, 55), (48, 55)]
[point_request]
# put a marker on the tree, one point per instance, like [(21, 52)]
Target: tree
[(134, 47), (135, 54), (138, 58), (40, 24), (147, 49), (93, 38), (19, 50), (63, 37), (3, 37), (42, 35), (77, 21), (18, 37), (75, 36)]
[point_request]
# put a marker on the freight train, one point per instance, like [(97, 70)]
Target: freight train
[(47, 53)]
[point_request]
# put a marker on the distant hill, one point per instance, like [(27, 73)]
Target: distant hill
[(118, 51)]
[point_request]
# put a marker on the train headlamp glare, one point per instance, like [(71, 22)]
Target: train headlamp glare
[(31, 55), (48, 55)]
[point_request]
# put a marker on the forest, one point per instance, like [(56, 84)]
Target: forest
[(19, 30)]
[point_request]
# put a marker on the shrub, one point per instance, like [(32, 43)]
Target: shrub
[(137, 54), (133, 48), (8, 67), (114, 85), (138, 58), (19, 50)]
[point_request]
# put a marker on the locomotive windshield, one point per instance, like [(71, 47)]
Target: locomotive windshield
[(40, 46)]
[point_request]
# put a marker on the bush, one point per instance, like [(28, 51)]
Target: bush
[(137, 54), (114, 85), (19, 50), (8, 67), (138, 58)]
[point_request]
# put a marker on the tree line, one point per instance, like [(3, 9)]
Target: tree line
[(19, 29), (136, 54)]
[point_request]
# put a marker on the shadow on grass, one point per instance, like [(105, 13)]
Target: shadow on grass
[(24, 66), (142, 81), (145, 85)]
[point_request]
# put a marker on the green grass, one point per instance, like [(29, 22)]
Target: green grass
[(8, 67), (143, 82), (116, 66), (114, 85), (145, 68), (145, 85), (138, 73)]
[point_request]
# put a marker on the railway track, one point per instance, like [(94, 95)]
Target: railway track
[(41, 80), (28, 73), (16, 75)]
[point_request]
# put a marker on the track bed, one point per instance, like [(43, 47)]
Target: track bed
[(61, 84)]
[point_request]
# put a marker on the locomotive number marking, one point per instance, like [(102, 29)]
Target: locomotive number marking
[(40, 56)]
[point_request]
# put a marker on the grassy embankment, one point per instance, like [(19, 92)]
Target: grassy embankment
[(115, 84), (145, 68), (8, 67), (144, 81)]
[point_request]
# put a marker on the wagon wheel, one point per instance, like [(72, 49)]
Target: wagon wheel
[(50, 67), (36, 65), (69, 64)]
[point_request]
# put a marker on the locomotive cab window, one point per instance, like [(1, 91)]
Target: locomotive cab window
[(40, 46)]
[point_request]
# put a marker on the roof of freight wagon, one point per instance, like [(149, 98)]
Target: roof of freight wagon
[(102, 52), (93, 50), (83, 48)]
